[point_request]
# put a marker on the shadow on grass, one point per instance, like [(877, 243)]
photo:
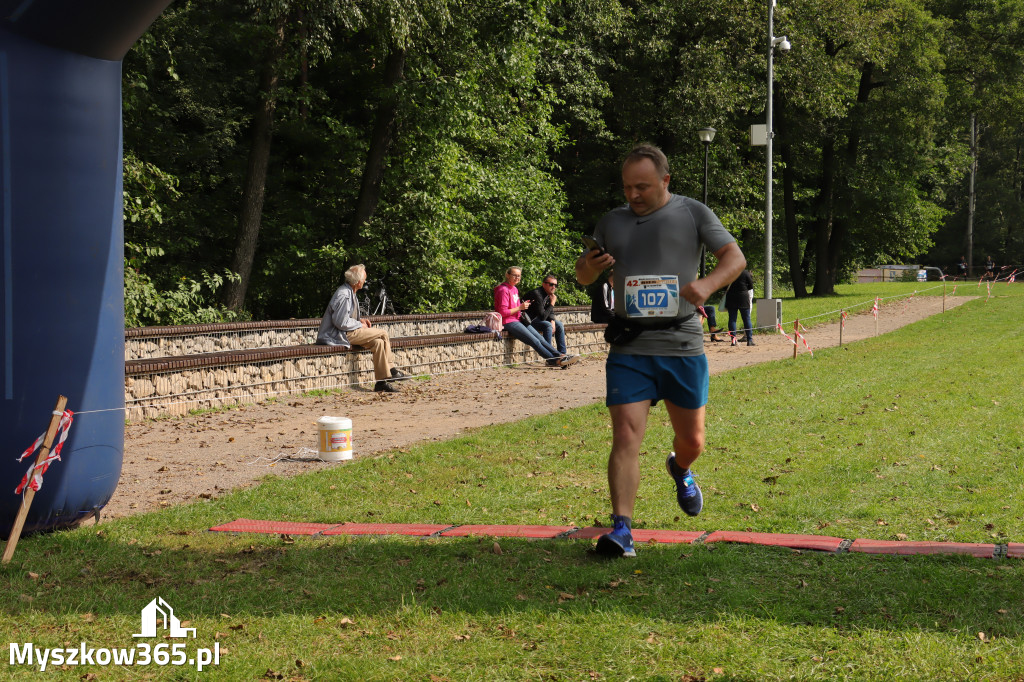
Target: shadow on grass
[(207, 575)]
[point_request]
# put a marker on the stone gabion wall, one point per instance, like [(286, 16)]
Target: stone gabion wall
[(144, 348), (173, 346), (174, 393)]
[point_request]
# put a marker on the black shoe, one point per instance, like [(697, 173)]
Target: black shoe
[(384, 387), (399, 375), (750, 342)]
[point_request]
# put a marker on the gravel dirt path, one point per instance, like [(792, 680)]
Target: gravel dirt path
[(172, 461)]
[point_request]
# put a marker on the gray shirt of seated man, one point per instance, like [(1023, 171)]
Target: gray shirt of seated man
[(665, 242), (341, 316)]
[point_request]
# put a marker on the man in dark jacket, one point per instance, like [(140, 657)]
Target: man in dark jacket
[(542, 313), (737, 299)]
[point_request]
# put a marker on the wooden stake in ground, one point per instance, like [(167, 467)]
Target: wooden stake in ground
[(796, 334), (842, 323), (29, 493)]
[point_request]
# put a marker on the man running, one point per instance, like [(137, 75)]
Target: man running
[(657, 342)]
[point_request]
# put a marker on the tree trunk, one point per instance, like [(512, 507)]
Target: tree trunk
[(830, 252), (380, 142), (796, 273), (823, 218), (255, 182)]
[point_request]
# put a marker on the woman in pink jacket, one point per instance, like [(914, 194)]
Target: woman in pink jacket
[(507, 304)]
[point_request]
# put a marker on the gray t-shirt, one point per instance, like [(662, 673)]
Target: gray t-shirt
[(666, 244)]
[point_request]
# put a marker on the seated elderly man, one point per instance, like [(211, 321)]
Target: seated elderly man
[(342, 326)]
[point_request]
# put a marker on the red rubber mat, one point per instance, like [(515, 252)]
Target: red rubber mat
[(420, 529), (507, 531), (1015, 550), (289, 527), (896, 547), (819, 542), (685, 537)]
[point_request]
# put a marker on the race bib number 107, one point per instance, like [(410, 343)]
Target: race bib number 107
[(652, 296)]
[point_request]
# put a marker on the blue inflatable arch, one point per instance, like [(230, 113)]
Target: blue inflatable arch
[(62, 247)]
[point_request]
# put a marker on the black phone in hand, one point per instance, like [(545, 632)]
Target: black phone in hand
[(592, 244)]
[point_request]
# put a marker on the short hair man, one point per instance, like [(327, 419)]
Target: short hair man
[(343, 326), (542, 313), (657, 342)]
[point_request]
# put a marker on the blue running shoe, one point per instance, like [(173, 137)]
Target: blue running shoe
[(687, 491), (619, 542)]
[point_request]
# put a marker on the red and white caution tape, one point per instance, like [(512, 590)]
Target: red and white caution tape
[(988, 286), (842, 320), (33, 478), (874, 308), (1012, 277), (906, 304), (954, 289), (778, 325), (801, 337)]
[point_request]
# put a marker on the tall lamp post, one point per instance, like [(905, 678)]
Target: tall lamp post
[(706, 136), (769, 305)]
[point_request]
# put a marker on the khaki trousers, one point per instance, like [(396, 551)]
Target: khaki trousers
[(379, 345)]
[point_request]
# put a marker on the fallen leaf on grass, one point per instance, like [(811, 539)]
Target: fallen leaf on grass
[(565, 596)]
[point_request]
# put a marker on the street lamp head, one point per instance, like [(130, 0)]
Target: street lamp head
[(706, 135), (782, 43)]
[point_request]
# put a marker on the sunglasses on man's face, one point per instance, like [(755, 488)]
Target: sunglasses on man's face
[(551, 284)]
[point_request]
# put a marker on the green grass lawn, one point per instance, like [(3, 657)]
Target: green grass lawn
[(914, 434)]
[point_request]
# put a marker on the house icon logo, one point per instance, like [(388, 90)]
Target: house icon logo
[(158, 611)]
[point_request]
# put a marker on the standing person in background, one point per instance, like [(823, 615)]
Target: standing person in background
[(343, 326), (657, 340), (990, 268), (602, 300), (712, 316), (507, 304), (542, 313), (961, 268), (737, 299)]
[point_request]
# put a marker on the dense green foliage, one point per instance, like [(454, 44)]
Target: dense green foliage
[(441, 141)]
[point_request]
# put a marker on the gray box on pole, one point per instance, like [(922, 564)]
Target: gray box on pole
[(769, 312)]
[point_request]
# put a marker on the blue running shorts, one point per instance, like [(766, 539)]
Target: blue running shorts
[(634, 378)]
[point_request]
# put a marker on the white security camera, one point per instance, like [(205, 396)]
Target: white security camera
[(782, 43)]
